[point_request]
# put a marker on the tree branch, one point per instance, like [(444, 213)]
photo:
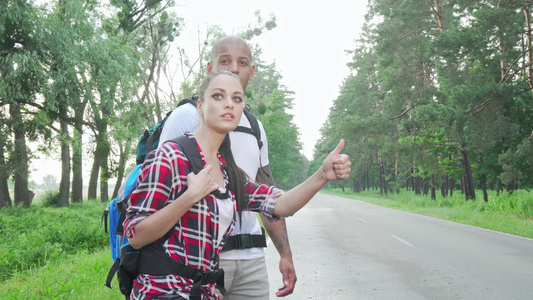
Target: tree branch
[(479, 108), (401, 115)]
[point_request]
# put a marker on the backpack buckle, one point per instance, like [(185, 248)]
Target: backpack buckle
[(243, 241)]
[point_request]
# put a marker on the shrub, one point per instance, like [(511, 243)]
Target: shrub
[(50, 198), (31, 237)]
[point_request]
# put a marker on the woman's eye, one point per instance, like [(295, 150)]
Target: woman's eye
[(237, 99), (218, 96)]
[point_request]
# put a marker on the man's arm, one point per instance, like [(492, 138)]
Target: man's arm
[(277, 231)]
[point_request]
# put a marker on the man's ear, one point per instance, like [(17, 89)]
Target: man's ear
[(252, 71)]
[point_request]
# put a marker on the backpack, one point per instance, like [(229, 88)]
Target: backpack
[(149, 140), (127, 260)]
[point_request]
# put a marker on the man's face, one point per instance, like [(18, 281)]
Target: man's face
[(234, 58)]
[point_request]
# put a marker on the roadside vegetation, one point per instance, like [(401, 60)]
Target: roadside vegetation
[(509, 213)]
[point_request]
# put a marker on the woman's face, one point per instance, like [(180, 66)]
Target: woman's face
[(222, 103)]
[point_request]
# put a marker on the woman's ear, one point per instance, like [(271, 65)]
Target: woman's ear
[(199, 106)]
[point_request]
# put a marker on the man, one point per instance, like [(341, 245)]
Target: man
[(245, 269)]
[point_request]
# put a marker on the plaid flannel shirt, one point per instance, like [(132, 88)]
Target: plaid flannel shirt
[(193, 241)]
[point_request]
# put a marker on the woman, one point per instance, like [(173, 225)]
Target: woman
[(195, 213)]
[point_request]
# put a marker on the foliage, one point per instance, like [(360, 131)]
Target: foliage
[(50, 198), (88, 78), (32, 237), (438, 94)]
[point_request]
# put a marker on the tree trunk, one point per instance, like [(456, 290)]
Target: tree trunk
[(426, 186), (433, 190), (416, 181), (397, 174), (93, 178), (20, 157), (470, 192), (366, 183), (484, 187), (124, 152), (104, 167), (373, 174), (529, 42), (64, 184), (381, 177), (438, 13), (5, 198), (104, 190), (444, 186), (77, 164), (452, 186), (388, 180)]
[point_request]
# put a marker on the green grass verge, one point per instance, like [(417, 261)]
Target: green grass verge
[(78, 276), (31, 237), (505, 213)]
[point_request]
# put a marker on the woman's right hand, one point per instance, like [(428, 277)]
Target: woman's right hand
[(201, 184)]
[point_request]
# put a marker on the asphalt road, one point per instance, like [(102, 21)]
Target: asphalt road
[(348, 249)]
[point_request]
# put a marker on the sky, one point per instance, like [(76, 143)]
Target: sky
[(308, 46)]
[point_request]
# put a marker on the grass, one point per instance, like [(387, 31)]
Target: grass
[(31, 237), (511, 214), (79, 276)]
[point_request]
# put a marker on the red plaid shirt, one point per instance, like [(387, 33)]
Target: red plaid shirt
[(193, 241)]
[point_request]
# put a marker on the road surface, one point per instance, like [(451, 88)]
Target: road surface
[(349, 249)]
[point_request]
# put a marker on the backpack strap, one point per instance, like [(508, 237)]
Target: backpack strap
[(253, 130), (245, 241), (193, 100), (156, 262), (190, 149), (254, 126)]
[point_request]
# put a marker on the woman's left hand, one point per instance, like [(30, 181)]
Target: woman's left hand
[(337, 166)]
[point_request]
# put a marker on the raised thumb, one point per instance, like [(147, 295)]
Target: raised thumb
[(339, 147)]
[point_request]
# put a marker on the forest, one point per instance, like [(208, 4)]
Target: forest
[(84, 79), (439, 98)]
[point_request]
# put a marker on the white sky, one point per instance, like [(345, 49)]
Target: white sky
[(308, 46)]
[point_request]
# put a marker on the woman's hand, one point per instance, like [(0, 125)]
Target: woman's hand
[(201, 184), (337, 166)]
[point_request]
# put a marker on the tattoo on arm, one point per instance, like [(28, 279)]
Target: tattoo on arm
[(277, 230)]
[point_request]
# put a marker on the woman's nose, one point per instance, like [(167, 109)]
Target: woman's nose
[(229, 102)]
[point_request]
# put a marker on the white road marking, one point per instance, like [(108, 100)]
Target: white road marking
[(362, 220), (399, 239)]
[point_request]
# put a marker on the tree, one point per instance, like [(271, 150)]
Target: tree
[(22, 73)]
